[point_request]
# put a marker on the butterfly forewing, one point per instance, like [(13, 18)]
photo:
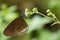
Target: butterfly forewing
[(18, 26)]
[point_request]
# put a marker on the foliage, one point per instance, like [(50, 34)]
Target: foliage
[(7, 15), (36, 23)]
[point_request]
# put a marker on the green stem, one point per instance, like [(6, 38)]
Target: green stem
[(46, 16)]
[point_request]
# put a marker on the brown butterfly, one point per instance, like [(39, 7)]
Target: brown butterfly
[(17, 27)]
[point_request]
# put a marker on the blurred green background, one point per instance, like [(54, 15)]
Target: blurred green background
[(9, 12)]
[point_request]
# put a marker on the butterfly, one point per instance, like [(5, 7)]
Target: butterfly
[(16, 27)]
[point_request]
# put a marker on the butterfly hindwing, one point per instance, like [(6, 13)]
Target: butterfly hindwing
[(15, 27)]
